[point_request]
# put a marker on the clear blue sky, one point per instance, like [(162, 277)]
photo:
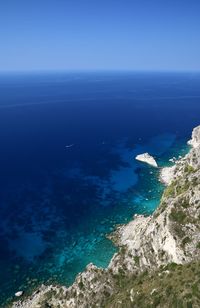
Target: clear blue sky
[(100, 34)]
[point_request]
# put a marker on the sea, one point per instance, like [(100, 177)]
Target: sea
[(68, 174)]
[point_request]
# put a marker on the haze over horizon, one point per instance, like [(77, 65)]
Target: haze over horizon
[(100, 35)]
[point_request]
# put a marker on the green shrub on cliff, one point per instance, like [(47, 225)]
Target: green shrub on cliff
[(178, 216), (170, 190), (189, 169), (174, 286)]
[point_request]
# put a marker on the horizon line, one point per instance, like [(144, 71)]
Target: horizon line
[(37, 70)]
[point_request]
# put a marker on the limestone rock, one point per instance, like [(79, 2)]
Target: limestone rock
[(195, 141), (147, 158), (167, 174), (19, 293)]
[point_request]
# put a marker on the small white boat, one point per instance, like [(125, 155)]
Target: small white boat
[(70, 145)]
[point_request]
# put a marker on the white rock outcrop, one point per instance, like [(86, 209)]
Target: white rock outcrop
[(167, 175), (195, 141), (19, 293), (147, 158)]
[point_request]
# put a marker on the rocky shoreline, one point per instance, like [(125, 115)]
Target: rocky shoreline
[(167, 175), (170, 235)]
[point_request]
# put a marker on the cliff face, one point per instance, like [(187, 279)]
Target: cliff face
[(171, 234), (195, 141)]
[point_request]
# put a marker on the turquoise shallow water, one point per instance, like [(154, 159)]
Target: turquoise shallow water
[(57, 203)]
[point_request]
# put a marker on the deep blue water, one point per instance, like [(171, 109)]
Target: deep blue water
[(57, 203)]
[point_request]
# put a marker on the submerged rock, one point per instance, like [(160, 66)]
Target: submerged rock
[(147, 158)]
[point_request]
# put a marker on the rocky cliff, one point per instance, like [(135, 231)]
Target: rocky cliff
[(147, 244)]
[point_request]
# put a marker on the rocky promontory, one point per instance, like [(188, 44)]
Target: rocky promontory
[(158, 259), (195, 141)]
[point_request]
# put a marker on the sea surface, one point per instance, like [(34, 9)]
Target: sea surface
[(67, 170)]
